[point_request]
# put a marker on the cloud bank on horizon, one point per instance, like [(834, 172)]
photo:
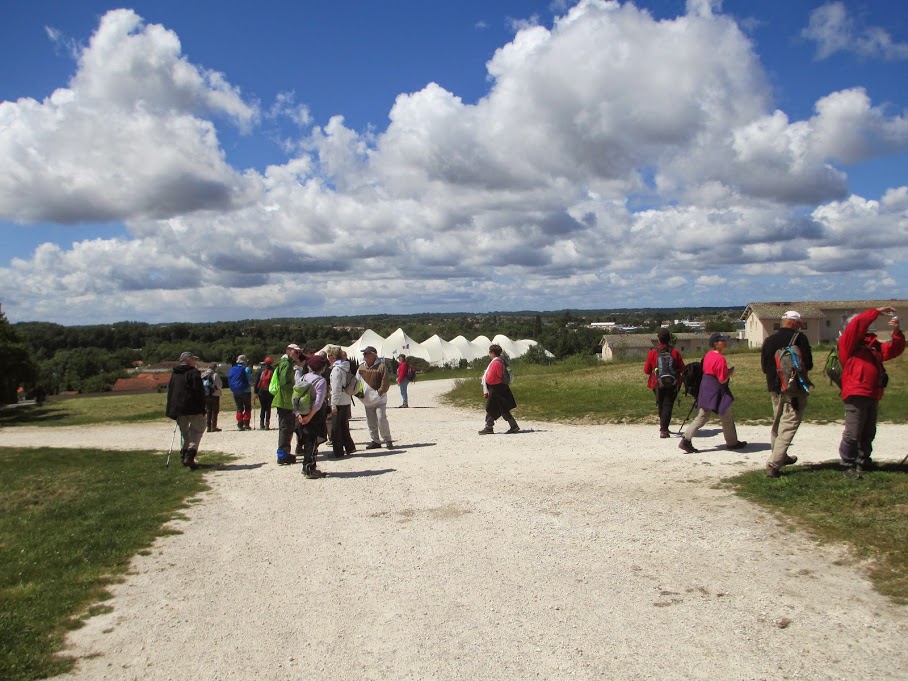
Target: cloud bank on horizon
[(614, 160)]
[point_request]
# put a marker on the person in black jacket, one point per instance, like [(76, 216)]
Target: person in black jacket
[(788, 410), (186, 405)]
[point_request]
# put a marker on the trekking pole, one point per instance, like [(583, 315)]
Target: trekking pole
[(904, 460), (172, 438), (254, 397), (690, 411)]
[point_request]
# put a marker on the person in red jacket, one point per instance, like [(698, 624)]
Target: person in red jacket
[(863, 381), (665, 391)]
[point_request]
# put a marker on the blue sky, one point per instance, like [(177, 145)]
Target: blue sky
[(224, 160)]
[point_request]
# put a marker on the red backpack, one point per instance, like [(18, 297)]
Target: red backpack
[(264, 379)]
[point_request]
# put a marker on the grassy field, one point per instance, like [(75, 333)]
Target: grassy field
[(70, 520), (79, 411), (616, 393)]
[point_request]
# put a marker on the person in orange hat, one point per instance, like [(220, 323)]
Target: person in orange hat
[(262, 383)]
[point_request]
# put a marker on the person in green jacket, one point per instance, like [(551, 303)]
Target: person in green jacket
[(284, 378)]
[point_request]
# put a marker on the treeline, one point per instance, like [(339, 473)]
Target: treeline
[(91, 358)]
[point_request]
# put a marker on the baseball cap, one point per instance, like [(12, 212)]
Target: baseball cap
[(716, 337), (792, 314), (187, 355), (294, 346), (369, 348), (242, 359)]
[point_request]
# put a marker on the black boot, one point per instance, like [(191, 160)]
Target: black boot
[(189, 461)]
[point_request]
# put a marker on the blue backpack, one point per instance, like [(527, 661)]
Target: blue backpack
[(237, 379)]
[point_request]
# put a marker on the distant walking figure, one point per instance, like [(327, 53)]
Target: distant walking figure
[(497, 390), (664, 367)]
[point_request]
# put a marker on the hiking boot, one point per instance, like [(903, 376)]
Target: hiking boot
[(512, 429), (772, 471), (189, 461), (789, 460), (216, 430), (314, 474), (285, 459), (867, 466), (389, 444), (852, 473), (239, 426), (740, 444), (183, 456), (663, 434), (373, 445), (688, 446), (486, 431)]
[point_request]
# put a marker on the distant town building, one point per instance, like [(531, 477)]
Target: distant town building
[(823, 319)]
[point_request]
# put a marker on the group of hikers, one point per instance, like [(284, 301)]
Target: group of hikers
[(312, 393), (786, 360)]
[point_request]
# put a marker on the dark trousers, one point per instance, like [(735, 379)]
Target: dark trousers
[(265, 400), (665, 403), (243, 407), (212, 407), (286, 422), (860, 429), (341, 440)]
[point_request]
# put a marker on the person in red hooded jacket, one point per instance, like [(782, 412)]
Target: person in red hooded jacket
[(863, 381)]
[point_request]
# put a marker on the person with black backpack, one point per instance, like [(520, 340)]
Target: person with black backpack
[(664, 367), (186, 406), (789, 400), (714, 397)]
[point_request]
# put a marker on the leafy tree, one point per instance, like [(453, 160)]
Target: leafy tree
[(17, 367)]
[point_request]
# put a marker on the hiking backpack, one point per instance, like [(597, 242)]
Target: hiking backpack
[(666, 377), (833, 367), (353, 386), (691, 378), (302, 396), (506, 373), (264, 379), (790, 367), (411, 373), (237, 379), (208, 383)]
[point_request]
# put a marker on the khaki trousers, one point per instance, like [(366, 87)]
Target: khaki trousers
[(788, 413), (728, 425)]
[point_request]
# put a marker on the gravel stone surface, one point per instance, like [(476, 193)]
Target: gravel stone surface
[(561, 552)]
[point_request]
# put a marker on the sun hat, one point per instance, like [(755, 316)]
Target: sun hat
[(187, 355)]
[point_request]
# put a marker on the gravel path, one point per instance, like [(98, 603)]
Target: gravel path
[(582, 552)]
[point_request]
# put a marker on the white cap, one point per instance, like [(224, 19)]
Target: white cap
[(792, 314)]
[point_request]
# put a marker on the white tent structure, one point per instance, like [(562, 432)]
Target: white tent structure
[(436, 351)]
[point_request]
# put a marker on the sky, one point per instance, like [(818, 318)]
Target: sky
[(222, 160)]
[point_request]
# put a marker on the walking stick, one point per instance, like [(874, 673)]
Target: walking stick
[(690, 411), (904, 460), (172, 438)]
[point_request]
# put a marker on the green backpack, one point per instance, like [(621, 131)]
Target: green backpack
[(833, 367), (302, 396)]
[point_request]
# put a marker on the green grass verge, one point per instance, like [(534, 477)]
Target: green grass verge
[(80, 411), (616, 392), (70, 519), (870, 514)]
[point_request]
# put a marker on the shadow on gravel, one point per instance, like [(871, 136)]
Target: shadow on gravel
[(360, 474), (231, 466)]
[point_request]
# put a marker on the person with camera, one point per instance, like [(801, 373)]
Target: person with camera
[(863, 381)]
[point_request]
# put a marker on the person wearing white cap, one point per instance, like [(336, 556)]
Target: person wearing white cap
[(788, 407), (186, 405)]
